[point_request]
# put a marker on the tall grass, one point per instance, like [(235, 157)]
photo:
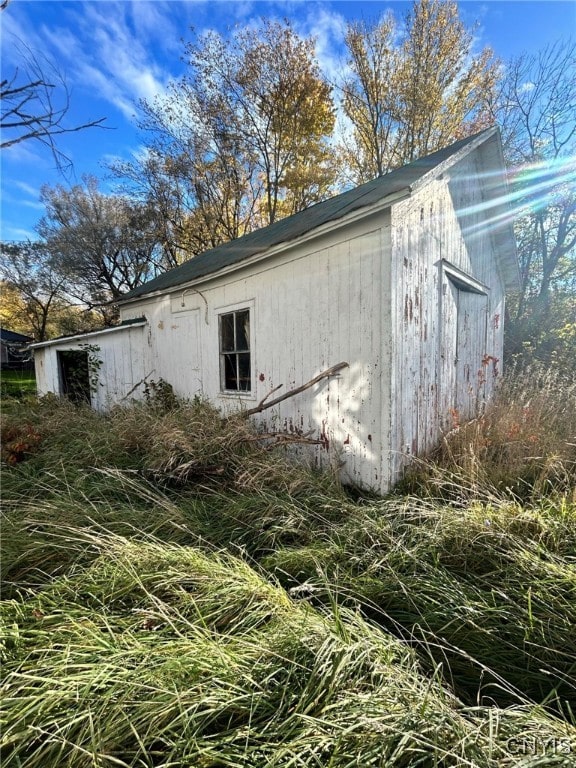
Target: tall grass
[(160, 655), (522, 447), (487, 592), (433, 628)]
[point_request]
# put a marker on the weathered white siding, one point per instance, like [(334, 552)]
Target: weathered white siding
[(447, 310), (124, 361), (311, 307)]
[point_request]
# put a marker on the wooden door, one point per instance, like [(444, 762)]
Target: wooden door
[(464, 316), (178, 353)]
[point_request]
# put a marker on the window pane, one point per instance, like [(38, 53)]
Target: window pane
[(242, 331), (235, 369), (244, 371), (227, 332), (230, 372)]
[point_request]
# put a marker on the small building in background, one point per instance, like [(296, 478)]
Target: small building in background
[(402, 278), (14, 350)]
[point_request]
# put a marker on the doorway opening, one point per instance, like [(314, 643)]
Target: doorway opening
[(74, 375)]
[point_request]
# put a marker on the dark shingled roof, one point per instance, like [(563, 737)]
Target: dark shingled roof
[(292, 227), (12, 337)]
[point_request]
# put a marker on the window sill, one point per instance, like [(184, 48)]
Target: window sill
[(232, 394)]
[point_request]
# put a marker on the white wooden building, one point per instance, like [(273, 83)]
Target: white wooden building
[(403, 278)]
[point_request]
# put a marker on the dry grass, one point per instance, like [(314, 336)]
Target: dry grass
[(130, 642), (523, 447)]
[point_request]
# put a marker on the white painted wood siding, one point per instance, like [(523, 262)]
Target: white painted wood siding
[(124, 356), (447, 339), (311, 307)]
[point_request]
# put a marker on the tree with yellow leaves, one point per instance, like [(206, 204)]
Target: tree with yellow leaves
[(33, 294), (412, 88), (240, 141)]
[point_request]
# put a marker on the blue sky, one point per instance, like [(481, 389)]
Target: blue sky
[(113, 54)]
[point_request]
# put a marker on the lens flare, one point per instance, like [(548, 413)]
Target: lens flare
[(531, 189)]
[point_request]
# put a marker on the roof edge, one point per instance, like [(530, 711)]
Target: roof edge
[(125, 326), (473, 143), (279, 248), (423, 177)]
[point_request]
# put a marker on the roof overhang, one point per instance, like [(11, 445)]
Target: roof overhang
[(81, 337), (276, 250)]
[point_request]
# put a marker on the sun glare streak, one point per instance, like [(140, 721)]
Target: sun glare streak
[(531, 188)]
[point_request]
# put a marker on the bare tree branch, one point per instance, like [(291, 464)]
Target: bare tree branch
[(34, 103), (263, 405)]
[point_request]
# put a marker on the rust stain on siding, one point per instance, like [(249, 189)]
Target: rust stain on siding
[(408, 309), (324, 439)]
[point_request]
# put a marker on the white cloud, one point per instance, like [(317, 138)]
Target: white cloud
[(27, 188), (33, 205), (107, 48), (328, 28), (121, 50), (16, 233), (24, 154), (154, 20)]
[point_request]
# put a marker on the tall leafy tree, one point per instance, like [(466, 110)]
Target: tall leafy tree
[(241, 140), (283, 113), (33, 289), (104, 245), (413, 88)]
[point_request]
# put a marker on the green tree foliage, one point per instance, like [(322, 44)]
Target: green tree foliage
[(103, 245), (238, 142), (412, 88), (536, 109)]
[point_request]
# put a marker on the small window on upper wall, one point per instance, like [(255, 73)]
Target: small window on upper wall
[(235, 368)]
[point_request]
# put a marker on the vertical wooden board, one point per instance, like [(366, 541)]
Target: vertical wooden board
[(394, 397), (178, 352), (448, 334), (43, 369), (127, 372), (385, 298), (359, 396), (137, 370), (470, 352)]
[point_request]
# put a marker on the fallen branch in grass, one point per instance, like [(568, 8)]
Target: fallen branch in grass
[(135, 387), (283, 438)]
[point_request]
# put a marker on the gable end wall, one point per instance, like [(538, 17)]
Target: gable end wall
[(448, 342)]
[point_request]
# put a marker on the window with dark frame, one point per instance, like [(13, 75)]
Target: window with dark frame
[(235, 368)]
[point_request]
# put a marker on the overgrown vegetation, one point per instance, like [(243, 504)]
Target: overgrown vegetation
[(178, 593)]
